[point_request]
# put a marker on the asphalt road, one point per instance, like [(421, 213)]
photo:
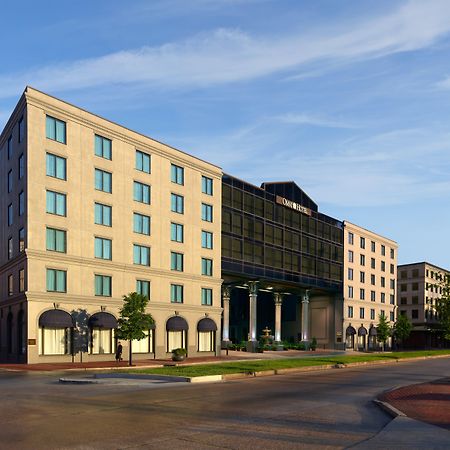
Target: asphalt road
[(329, 409)]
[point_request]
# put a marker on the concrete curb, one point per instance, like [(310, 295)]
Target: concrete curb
[(387, 407)]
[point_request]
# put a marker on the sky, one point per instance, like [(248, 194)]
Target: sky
[(350, 99)]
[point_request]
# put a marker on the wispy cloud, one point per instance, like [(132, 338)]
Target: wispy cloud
[(228, 55), (308, 119)]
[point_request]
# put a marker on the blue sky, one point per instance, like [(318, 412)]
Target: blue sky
[(349, 98)]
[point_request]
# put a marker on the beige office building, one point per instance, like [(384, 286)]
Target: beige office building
[(419, 290), (91, 211), (370, 279)]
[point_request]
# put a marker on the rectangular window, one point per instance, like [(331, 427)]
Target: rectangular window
[(362, 260), (392, 316), (141, 192), (362, 242), (21, 166), (176, 232), (392, 253), (415, 314), (10, 248), (392, 299), (372, 314), (350, 292), (10, 214), (206, 296), (103, 181), (21, 130), (103, 285), (392, 269), (362, 294), (103, 214), (350, 274), (176, 293), (350, 238), (383, 266), (350, 256), (372, 246), (383, 250), (21, 203), (176, 261), (392, 282), (207, 265), (176, 174), (22, 280), (55, 166), (103, 248), (10, 285), (10, 181), (350, 312), (207, 185), (177, 203), (207, 239), (141, 255), (383, 282), (372, 296), (382, 313), (207, 212), (56, 240), (143, 162), (362, 277), (372, 263), (10, 147), (55, 129), (361, 313), (383, 297), (141, 224), (143, 288), (56, 280), (103, 147), (21, 240), (56, 203)]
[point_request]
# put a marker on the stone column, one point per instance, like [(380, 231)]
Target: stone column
[(226, 295), (252, 343), (305, 318), (278, 299)]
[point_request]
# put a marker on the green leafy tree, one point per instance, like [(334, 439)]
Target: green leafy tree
[(402, 328), (133, 322), (384, 331), (443, 308)]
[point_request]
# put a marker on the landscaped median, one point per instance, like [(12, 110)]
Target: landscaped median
[(242, 369)]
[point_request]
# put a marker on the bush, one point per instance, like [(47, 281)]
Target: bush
[(179, 352)]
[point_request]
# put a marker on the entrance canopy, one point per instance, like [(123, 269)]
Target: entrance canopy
[(350, 331), (362, 331), (56, 318), (102, 320), (176, 323), (206, 325), (372, 331)]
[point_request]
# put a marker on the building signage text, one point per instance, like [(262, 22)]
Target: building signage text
[(293, 205)]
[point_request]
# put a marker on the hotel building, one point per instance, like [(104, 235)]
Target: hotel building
[(419, 290), (91, 211), (370, 280)]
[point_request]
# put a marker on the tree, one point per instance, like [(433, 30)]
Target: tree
[(384, 331), (443, 308), (402, 328), (133, 322)]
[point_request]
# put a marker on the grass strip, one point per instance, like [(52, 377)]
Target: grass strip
[(256, 366)]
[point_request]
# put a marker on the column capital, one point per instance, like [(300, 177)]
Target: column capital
[(253, 287), (305, 296), (278, 298), (226, 293)]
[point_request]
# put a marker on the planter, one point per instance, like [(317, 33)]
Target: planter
[(178, 357)]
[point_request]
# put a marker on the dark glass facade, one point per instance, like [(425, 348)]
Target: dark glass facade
[(291, 243)]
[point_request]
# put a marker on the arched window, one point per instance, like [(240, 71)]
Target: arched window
[(102, 327), (147, 344), (55, 332), (206, 330), (176, 328), (21, 342)]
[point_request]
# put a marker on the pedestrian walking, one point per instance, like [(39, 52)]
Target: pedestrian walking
[(119, 352)]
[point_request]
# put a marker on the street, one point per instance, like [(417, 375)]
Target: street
[(323, 409)]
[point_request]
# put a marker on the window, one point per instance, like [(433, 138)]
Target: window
[(177, 174), (56, 203), (10, 181), (403, 301), (362, 294), (372, 314), (206, 341), (403, 287), (54, 341), (103, 181), (10, 214), (350, 292), (383, 297), (392, 283), (103, 147), (143, 162), (176, 293), (56, 280), (207, 185), (21, 203), (56, 240), (176, 261), (207, 266), (350, 238), (141, 255), (362, 277), (103, 214), (207, 212), (177, 203), (415, 287), (362, 242), (383, 250), (415, 314), (55, 129), (415, 300), (350, 256), (10, 248), (176, 232), (404, 274), (144, 345), (392, 299), (21, 240), (22, 280), (372, 246), (21, 166), (141, 192), (361, 313), (102, 340), (102, 285), (141, 224), (350, 312), (10, 285), (10, 147), (206, 296), (55, 166), (103, 248), (392, 253), (362, 260), (21, 130), (372, 296), (383, 266), (350, 274), (383, 282), (143, 287), (372, 263), (392, 316), (207, 239), (392, 269)]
